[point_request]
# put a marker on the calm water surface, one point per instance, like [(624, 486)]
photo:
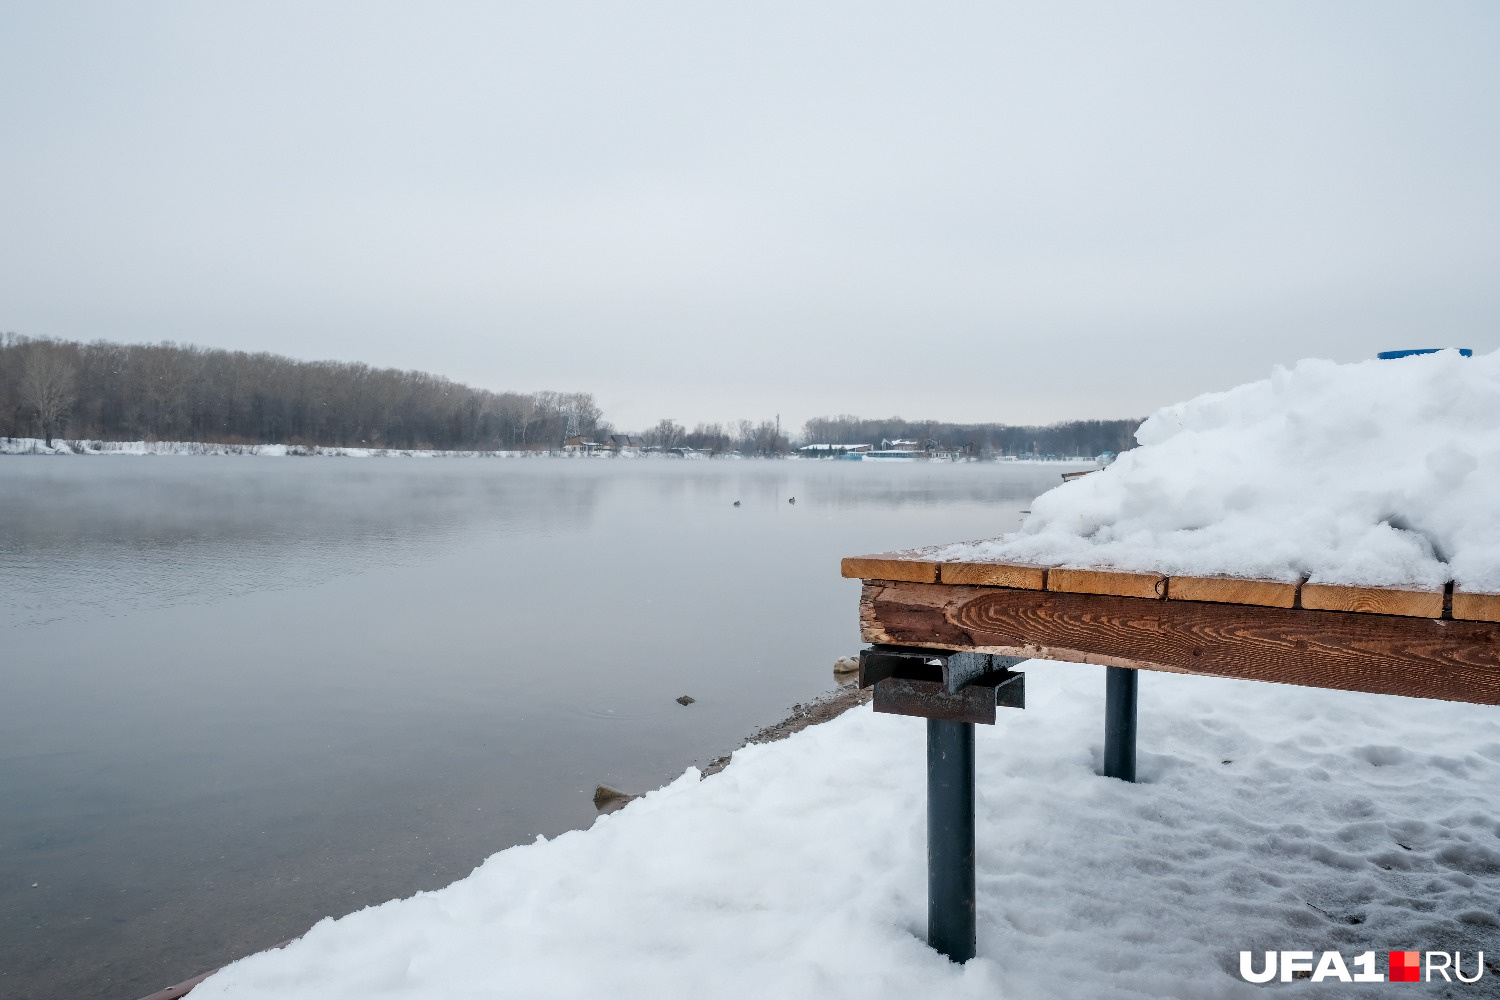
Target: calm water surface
[(237, 695)]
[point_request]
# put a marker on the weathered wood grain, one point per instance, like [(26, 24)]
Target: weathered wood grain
[(1373, 600), (993, 575), (1352, 651), (1107, 581), (890, 566), (1227, 590), (1476, 607), (919, 566)]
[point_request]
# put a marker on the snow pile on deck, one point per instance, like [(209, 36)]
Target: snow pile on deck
[(1269, 817), (1382, 473)]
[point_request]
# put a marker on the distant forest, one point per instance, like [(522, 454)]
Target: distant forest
[(171, 392), (1072, 438)]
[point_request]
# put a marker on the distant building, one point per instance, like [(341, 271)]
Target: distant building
[(614, 444), (832, 450), (617, 443), (579, 445)]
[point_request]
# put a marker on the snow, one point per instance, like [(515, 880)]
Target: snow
[(1268, 817), (36, 446), (1381, 473)]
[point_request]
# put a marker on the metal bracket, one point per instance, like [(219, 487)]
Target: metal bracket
[(941, 683)]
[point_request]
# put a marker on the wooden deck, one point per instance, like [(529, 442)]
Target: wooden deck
[(1424, 644)]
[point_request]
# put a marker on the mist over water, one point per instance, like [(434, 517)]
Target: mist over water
[(238, 695)]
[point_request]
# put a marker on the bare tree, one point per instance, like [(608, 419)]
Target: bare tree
[(177, 392), (48, 385), (12, 412), (666, 435), (708, 437), (582, 412), (765, 438), (1074, 437), (169, 370), (519, 414)]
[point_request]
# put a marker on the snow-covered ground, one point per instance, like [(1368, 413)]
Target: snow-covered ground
[(36, 446), (1382, 473), (1267, 817), (59, 446)]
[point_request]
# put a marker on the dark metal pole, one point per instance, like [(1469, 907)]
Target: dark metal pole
[(1119, 722), (950, 838)]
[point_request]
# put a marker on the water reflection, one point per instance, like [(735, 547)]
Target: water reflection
[(171, 531), (239, 694)]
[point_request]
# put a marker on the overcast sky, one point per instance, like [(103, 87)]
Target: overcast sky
[(711, 210)]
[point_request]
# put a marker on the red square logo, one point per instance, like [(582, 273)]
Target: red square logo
[(1406, 966)]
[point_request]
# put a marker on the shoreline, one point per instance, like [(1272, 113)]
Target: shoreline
[(803, 869), (20, 446), (824, 708), (803, 715)]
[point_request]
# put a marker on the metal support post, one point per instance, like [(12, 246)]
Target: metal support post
[(953, 690), (1119, 722), (950, 839)]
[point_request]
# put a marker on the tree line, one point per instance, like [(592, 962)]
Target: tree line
[(990, 440), (1071, 438), (743, 437), (173, 392)]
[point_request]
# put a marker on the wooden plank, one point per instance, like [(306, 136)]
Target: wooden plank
[(1351, 651), (1476, 607), (1107, 581), (890, 566), (993, 575), (1228, 590), (1373, 600)]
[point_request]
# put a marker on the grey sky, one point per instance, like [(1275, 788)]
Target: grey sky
[(713, 210)]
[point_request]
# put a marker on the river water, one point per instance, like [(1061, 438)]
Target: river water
[(240, 694)]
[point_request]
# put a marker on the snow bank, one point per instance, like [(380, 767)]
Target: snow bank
[(1382, 473), (36, 446), (1269, 817)]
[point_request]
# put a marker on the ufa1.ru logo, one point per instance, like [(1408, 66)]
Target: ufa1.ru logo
[(1402, 966)]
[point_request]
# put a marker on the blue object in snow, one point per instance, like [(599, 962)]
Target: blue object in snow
[(1392, 355)]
